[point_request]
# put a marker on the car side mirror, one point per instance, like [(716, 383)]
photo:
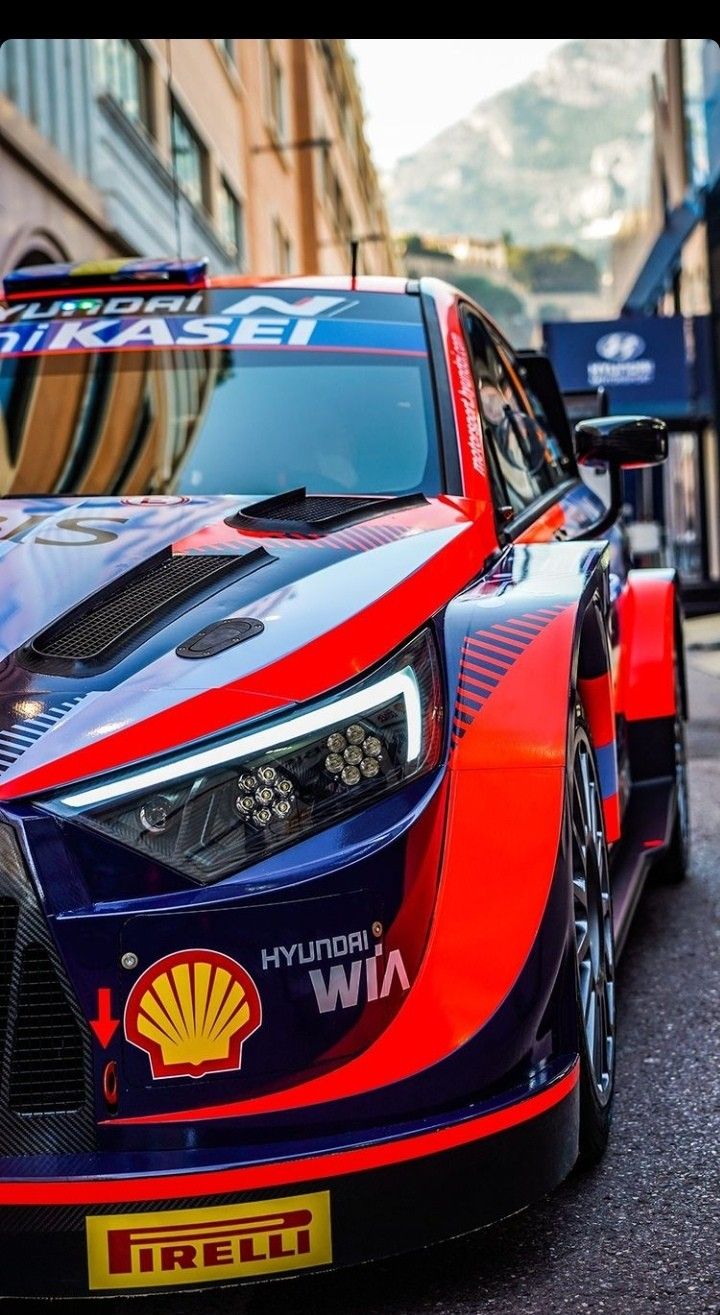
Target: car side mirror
[(624, 442)]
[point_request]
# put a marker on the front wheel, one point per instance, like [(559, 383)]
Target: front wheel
[(594, 947)]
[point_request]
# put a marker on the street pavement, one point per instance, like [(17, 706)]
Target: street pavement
[(641, 1233)]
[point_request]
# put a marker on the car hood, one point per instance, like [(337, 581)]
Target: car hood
[(149, 574)]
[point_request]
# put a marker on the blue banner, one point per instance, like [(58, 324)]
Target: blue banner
[(641, 362)]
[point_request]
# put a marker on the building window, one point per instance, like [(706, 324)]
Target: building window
[(123, 74), (231, 222), (189, 157), (282, 249), (275, 101)]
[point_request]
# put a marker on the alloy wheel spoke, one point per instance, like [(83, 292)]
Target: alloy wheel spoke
[(599, 1038), (588, 794), (610, 1007), (593, 922), (580, 838), (580, 890), (608, 953), (591, 1022), (586, 987), (582, 936)]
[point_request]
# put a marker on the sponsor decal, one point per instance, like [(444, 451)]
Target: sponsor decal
[(129, 332), (72, 303), (308, 306), (192, 1012), (75, 302), (84, 528), (212, 1244), (374, 976), (465, 389), (620, 363)]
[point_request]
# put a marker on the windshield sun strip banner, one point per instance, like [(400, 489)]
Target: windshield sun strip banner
[(28, 338)]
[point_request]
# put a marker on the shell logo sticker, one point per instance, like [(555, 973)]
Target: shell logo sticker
[(191, 1012)]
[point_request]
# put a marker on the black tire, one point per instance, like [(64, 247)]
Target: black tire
[(673, 866), (594, 943)]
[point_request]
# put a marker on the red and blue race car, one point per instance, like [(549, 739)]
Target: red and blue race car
[(337, 740)]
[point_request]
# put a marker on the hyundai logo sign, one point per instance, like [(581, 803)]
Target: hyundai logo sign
[(620, 346), (641, 361), (622, 361)]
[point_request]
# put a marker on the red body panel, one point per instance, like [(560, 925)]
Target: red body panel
[(647, 634), (513, 731)]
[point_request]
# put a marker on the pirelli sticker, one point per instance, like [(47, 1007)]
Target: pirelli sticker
[(167, 1248)]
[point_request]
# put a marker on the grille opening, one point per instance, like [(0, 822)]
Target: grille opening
[(99, 630), (46, 1100), (46, 1066)]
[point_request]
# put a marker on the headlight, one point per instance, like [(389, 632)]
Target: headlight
[(232, 801)]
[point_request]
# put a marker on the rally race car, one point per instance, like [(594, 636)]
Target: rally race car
[(337, 740)]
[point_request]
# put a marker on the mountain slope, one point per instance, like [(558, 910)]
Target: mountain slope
[(550, 159)]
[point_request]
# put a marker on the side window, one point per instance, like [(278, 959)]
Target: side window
[(525, 457)]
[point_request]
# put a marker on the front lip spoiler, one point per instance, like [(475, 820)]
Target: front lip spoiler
[(383, 1211), (281, 1173)]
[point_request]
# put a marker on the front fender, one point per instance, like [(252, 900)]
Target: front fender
[(517, 648), (648, 610), (499, 840)]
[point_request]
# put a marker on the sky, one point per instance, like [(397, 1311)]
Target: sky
[(413, 89)]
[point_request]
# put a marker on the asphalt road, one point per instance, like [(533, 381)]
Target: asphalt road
[(642, 1232)]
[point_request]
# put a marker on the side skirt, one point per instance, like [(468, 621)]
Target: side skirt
[(646, 832)]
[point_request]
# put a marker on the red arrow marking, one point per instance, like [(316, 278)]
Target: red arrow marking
[(104, 1026)]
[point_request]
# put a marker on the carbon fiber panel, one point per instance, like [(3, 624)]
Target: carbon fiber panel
[(45, 1063)]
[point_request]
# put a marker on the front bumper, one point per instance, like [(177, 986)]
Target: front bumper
[(84, 1236)]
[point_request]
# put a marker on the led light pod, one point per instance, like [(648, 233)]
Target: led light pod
[(224, 804)]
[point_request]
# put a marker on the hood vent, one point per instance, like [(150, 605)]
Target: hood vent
[(99, 632), (299, 512)]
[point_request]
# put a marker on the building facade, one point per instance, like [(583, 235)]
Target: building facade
[(662, 255), (662, 354), (249, 151)]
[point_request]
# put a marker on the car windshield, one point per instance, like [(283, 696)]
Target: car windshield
[(250, 403)]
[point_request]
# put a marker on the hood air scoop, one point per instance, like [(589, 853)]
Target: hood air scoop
[(103, 629), (300, 512)]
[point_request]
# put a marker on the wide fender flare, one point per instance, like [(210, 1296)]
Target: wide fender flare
[(649, 629), (519, 646)]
